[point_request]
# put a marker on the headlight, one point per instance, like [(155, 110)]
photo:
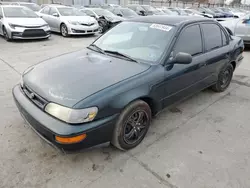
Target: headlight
[(13, 26), (73, 22), (73, 116)]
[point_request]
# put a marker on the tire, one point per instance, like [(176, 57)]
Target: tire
[(5, 35), (224, 79), (64, 30), (103, 26), (132, 125)]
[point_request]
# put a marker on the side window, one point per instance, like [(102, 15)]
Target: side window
[(224, 38), (45, 10), (212, 36), (89, 13), (52, 11), (189, 41)]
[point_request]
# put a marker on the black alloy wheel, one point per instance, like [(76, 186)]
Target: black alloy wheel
[(224, 79), (132, 125)]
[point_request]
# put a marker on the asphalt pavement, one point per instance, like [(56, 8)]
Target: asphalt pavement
[(203, 142)]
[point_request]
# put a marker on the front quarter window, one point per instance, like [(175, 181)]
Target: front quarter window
[(143, 41)]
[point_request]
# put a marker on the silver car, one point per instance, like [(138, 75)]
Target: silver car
[(18, 22), (68, 20), (239, 27)]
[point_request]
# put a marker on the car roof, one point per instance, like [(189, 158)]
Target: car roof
[(169, 20), (58, 6)]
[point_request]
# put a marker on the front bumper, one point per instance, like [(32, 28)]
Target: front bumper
[(82, 30), (47, 127), (29, 33)]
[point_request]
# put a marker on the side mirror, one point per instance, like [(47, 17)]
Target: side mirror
[(55, 14), (119, 15), (142, 12), (203, 12), (182, 58)]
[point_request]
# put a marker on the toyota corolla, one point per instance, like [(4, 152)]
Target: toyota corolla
[(110, 91)]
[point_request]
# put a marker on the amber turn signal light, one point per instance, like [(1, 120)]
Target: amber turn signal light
[(70, 140)]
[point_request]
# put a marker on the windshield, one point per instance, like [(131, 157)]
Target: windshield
[(18, 12), (67, 11), (103, 12), (149, 8), (33, 7), (128, 12), (142, 41)]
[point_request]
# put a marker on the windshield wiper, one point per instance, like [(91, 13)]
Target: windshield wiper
[(97, 47), (121, 54)]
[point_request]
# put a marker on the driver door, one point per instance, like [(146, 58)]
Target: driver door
[(182, 80), (54, 21)]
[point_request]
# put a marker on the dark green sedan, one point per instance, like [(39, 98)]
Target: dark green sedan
[(110, 91)]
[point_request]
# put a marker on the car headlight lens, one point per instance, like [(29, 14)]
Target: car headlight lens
[(45, 25), (72, 116), (73, 22)]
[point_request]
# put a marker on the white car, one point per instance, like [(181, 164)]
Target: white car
[(68, 20), (18, 22), (239, 27)]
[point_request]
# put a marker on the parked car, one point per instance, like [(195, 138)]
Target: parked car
[(108, 6), (193, 12), (209, 13), (239, 27), (219, 11), (149, 10), (156, 61), (124, 12), (105, 18), (179, 11), (167, 11), (33, 6), (68, 20), (18, 22)]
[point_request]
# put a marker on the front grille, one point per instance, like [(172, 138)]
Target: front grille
[(34, 33), (36, 99), (87, 24)]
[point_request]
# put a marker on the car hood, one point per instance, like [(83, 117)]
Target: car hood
[(70, 78), (82, 19), (114, 18), (26, 21)]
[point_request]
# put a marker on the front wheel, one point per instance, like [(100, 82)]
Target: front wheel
[(6, 35), (224, 79), (64, 30), (132, 125)]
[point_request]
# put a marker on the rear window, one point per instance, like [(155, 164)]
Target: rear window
[(212, 36)]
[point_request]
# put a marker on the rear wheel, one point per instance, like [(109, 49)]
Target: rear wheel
[(224, 79), (132, 125), (64, 30), (5, 35)]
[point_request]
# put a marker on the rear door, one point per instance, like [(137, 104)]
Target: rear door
[(184, 80), (217, 49)]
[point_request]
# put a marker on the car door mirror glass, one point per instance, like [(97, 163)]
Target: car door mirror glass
[(182, 58), (55, 14)]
